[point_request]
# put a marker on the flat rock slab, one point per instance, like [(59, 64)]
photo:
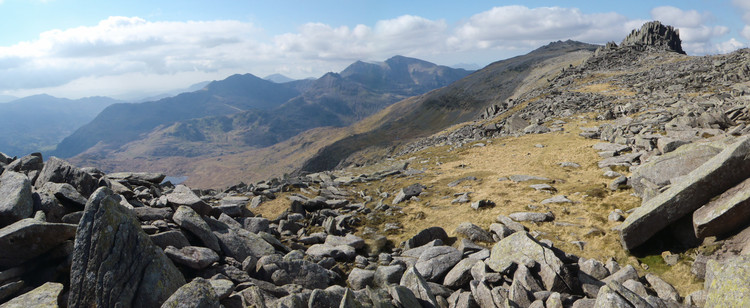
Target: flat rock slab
[(192, 256), (114, 261), (59, 171), (720, 173), (613, 147), (525, 178), (46, 295), (138, 177), (532, 216), (729, 211), (29, 238), (622, 160), (182, 195)]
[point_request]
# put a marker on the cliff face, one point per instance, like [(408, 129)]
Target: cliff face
[(654, 35)]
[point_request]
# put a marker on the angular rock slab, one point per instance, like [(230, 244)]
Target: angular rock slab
[(115, 262), (30, 238), (728, 282), (15, 198), (718, 174), (729, 211), (43, 296)]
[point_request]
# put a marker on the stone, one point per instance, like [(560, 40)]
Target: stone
[(500, 230), (239, 243), (622, 160), (29, 238), (192, 256), (616, 215), (557, 199), (593, 268), (222, 287), (413, 280), (620, 182), (349, 300), (256, 224), (728, 282), (636, 286), (170, 238), (198, 293), (340, 252), (482, 204), (305, 273), (151, 213), (648, 178), (727, 212), (519, 295), (624, 274), (474, 232), (138, 178), (16, 202), (403, 297), (408, 192), (190, 220), (517, 178), (436, 261), (663, 289), (360, 278), (349, 239), (390, 274), (27, 164), (510, 223), (8, 289), (425, 236), (44, 296), (523, 276), (183, 196), (460, 274), (482, 294), (461, 180), (115, 262), (59, 171), (326, 298), (520, 246), (543, 187), (721, 172), (65, 193), (531, 216), (608, 298)]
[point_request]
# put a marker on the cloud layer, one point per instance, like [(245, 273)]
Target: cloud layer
[(132, 55)]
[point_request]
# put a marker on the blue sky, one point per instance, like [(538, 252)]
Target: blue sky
[(76, 48)]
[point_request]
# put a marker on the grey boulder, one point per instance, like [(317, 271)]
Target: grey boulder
[(15, 198), (29, 238)]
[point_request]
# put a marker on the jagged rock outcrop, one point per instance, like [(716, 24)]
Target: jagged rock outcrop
[(655, 35), (114, 261)]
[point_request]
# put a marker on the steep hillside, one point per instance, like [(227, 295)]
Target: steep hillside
[(463, 100), (122, 123), (37, 123)]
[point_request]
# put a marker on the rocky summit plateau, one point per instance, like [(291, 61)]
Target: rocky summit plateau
[(609, 176)]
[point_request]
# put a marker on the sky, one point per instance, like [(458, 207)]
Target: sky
[(133, 49)]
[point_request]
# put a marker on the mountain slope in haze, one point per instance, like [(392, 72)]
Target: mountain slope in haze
[(37, 123), (191, 88), (461, 101), (278, 78), (122, 123), (7, 98)]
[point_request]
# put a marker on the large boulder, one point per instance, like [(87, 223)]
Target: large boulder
[(29, 238), (182, 195), (425, 236), (436, 261), (669, 168), (239, 243), (190, 220), (718, 174), (15, 198), (519, 246), (114, 261), (59, 171), (419, 287), (305, 273)]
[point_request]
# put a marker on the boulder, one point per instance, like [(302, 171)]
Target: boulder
[(531, 216), (718, 174), (647, 179), (198, 293), (340, 252), (182, 195), (727, 212), (138, 178), (29, 238), (413, 281), (474, 232), (360, 278), (192, 256), (408, 192), (15, 201), (516, 248), (436, 261), (663, 289), (425, 236), (44, 296), (239, 243), (59, 171), (190, 220), (728, 282), (114, 261), (305, 273), (65, 193)]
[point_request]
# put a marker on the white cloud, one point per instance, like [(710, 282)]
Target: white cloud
[(132, 54)]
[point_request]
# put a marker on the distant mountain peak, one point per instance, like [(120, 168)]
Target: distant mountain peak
[(278, 78)]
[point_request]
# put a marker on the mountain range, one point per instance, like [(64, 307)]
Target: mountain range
[(244, 112), (39, 122)]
